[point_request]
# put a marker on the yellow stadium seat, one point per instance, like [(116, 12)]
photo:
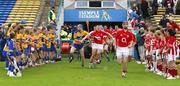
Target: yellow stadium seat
[(24, 10)]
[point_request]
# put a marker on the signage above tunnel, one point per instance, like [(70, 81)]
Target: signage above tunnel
[(95, 15)]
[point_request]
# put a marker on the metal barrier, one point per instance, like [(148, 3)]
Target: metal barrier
[(60, 22)]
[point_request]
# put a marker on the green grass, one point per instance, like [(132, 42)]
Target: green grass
[(66, 74)]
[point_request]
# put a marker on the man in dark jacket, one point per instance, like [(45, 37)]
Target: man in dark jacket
[(140, 43), (163, 22), (155, 7), (144, 9)]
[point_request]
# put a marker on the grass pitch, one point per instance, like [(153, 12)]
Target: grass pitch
[(71, 74)]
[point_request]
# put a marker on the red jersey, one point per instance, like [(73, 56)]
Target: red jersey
[(175, 26), (156, 43), (153, 43), (148, 40), (105, 38), (98, 36), (107, 30), (113, 32), (123, 38), (172, 45), (162, 43)]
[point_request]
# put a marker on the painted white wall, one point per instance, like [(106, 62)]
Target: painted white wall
[(68, 3), (122, 3)]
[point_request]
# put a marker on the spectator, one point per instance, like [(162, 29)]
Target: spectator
[(169, 9), (65, 35), (155, 7), (133, 14), (139, 2), (166, 2), (136, 10), (177, 7), (67, 29), (144, 9), (163, 21), (160, 2), (140, 43)]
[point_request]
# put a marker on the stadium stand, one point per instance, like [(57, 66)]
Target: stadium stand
[(161, 11)]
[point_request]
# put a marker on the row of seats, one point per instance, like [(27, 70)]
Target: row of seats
[(24, 10), (161, 11), (5, 9)]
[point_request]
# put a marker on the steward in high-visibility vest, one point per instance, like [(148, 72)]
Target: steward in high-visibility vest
[(51, 15), (65, 35)]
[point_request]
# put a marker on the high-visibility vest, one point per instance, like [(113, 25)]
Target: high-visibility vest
[(53, 16), (64, 35)]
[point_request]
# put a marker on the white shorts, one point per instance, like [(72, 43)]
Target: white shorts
[(97, 46), (122, 52), (171, 58)]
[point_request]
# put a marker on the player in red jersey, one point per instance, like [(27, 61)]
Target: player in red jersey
[(123, 43), (149, 43), (106, 42), (159, 51), (173, 52), (157, 60), (110, 41), (97, 44), (106, 29)]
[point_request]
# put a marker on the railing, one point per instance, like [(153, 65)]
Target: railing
[(60, 22), (60, 18)]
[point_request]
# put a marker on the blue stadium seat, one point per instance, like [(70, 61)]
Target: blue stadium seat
[(4, 13), (7, 5), (2, 21), (2, 18), (5, 9)]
